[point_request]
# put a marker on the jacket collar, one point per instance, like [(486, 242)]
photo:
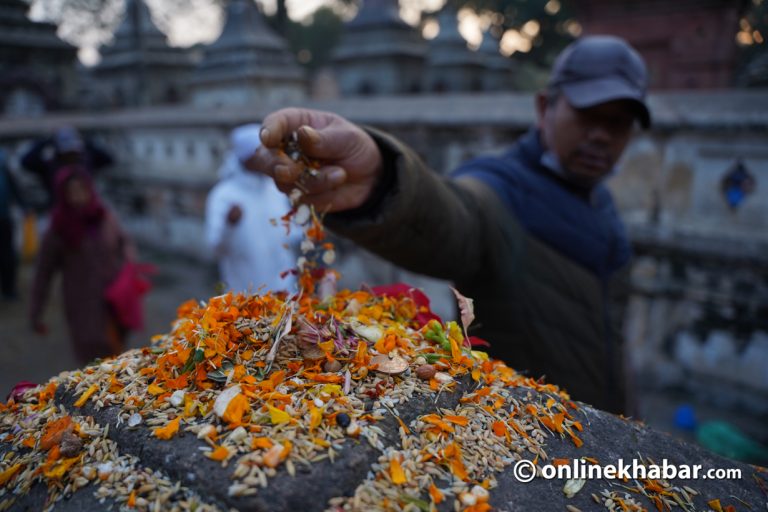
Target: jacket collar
[(542, 161)]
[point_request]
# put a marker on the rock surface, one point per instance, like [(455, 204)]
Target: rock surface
[(606, 437), (233, 410)]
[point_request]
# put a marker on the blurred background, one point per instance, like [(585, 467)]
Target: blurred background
[(159, 85)]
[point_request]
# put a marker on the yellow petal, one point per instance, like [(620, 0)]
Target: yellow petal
[(155, 390), (315, 418), (277, 416), (396, 472), (326, 346), (85, 396), (61, 468), (6, 475)]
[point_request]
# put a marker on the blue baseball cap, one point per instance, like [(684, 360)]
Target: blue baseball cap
[(597, 69)]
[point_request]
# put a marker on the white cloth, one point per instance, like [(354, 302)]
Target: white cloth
[(251, 253), (245, 140)]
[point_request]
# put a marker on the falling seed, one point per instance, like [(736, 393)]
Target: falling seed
[(303, 214), (329, 257)]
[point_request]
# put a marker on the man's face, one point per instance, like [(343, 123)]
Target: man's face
[(588, 142)]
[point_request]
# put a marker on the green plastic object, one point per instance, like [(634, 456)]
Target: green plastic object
[(725, 439)]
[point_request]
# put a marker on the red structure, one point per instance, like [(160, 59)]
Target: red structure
[(687, 44)]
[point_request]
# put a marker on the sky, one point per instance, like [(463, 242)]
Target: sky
[(203, 22)]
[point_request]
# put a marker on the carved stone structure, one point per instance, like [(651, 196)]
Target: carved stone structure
[(498, 70), (37, 69), (451, 65), (248, 64), (140, 67), (379, 53)]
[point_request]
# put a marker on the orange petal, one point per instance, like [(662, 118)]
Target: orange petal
[(396, 472), (169, 430)]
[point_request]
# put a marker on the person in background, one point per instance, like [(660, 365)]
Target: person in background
[(65, 147), (240, 226), (86, 244), (9, 195), (532, 235)]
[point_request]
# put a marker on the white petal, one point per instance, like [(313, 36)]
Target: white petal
[(222, 402)]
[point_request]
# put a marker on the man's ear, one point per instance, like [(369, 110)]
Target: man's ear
[(542, 104)]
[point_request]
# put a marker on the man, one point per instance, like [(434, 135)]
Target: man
[(532, 235), (238, 223)]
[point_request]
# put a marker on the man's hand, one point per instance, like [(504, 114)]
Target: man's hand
[(234, 215), (350, 162)]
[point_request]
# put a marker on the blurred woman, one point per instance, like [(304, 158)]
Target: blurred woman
[(86, 244)]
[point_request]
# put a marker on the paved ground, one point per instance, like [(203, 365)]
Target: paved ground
[(25, 355)]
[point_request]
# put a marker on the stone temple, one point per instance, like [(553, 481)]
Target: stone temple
[(381, 54), (37, 69), (247, 64), (140, 67)]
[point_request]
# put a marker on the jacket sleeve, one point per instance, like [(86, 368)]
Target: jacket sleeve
[(442, 227), (217, 231), (48, 262)]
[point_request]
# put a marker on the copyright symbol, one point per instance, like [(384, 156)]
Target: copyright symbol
[(524, 471)]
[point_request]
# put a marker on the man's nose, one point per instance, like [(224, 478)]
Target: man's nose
[(600, 133)]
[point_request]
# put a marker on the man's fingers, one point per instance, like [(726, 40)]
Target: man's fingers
[(287, 173), (277, 126), (323, 180), (332, 143), (334, 201), (265, 161), (326, 179)]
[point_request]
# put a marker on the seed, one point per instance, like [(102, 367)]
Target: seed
[(343, 420), (353, 430), (332, 366), (71, 445), (426, 371)]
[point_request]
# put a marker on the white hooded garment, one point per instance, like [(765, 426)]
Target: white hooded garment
[(252, 253)]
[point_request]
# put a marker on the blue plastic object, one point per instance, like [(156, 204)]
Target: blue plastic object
[(685, 418)]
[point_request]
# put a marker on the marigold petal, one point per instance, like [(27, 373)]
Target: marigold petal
[(219, 453), (396, 472), (85, 396), (277, 416), (435, 494), (169, 430)]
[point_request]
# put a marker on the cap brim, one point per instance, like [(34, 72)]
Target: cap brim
[(589, 93)]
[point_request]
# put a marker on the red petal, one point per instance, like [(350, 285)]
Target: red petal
[(478, 342)]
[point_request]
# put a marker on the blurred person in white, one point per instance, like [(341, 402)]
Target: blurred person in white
[(242, 222)]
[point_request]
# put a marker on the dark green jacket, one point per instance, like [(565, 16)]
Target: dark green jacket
[(543, 313)]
